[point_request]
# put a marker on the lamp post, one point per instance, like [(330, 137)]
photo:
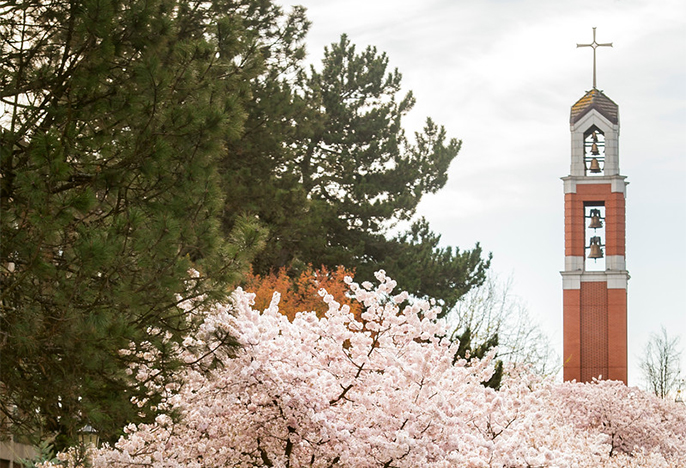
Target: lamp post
[(88, 436)]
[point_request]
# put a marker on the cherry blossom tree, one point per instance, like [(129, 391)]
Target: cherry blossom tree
[(379, 390), (630, 417)]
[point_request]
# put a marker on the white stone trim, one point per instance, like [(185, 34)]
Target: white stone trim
[(611, 132), (593, 117), (574, 263), (617, 182), (619, 280), (615, 262), (615, 280), (571, 280), (593, 277), (569, 184), (619, 185)]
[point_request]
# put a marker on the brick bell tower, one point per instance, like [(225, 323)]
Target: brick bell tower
[(595, 278)]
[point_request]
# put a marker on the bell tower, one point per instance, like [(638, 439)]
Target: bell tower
[(595, 278)]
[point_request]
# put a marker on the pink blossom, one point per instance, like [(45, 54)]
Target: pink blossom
[(382, 391)]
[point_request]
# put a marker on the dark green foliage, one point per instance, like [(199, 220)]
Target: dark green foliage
[(326, 165), (427, 270), (114, 116), (45, 453), (139, 139), (467, 350)]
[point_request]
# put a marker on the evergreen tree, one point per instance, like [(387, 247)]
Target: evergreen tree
[(341, 172), (254, 168), (428, 270), (468, 350), (114, 114)]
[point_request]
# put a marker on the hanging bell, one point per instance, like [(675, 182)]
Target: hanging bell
[(594, 149), (596, 251), (595, 166), (595, 219), (594, 137)]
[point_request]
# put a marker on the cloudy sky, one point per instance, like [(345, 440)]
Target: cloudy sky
[(501, 75)]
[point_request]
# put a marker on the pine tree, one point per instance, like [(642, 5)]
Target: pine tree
[(332, 171), (114, 115), (468, 350), (427, 270)]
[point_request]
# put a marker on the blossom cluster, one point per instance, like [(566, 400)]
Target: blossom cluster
[(383, 389)]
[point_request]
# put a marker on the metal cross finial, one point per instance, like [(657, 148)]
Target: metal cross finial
[(595, 45)]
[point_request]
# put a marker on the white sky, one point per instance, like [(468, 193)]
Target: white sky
[(502, 75)]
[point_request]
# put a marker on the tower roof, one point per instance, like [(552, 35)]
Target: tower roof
[(595, 99)]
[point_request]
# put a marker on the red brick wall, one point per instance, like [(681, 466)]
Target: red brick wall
[(571, 361), (595, 318), (615, 225), (617, 334), (594, 331), (574, 225)]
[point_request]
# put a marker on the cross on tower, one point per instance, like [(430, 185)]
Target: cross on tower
[(594, 45)]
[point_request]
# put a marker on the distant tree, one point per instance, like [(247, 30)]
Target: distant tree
[(493, 316), (661, 363), (114, 116)]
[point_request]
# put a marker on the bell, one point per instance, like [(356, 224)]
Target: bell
[(595, 166), (595, 219), (596, 250), (594, 149), (594, 136)]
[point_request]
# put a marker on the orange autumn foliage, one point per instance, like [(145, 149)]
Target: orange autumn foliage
[(302, 292)]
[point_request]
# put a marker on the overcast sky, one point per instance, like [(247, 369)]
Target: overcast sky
[(501, 75)]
